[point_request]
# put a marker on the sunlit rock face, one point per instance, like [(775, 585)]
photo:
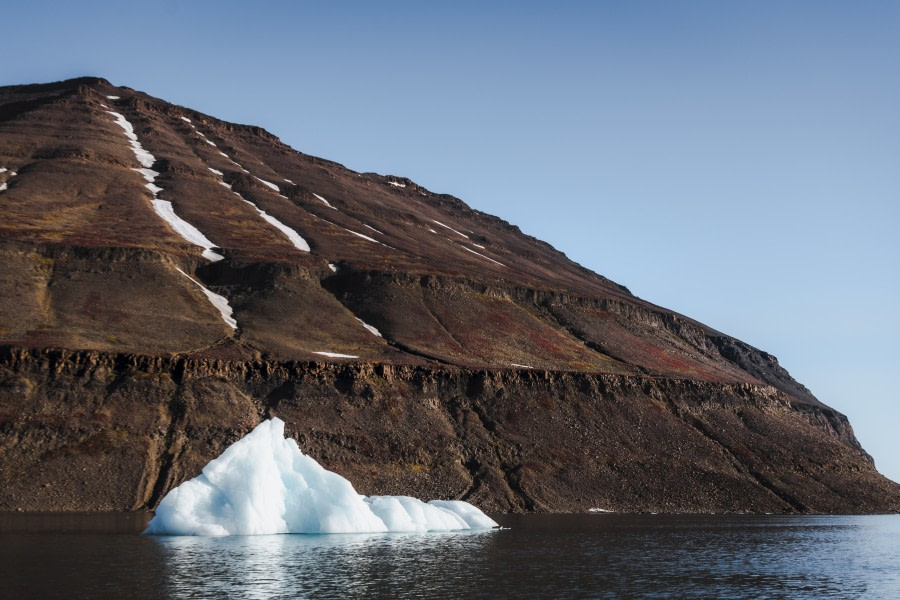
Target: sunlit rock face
[(263, 484)]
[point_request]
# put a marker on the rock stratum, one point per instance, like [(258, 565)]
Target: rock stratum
[(168, 280)]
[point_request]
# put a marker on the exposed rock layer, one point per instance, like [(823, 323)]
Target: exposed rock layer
[(97, 431)]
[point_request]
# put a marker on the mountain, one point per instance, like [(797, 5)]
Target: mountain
[(169, 279)]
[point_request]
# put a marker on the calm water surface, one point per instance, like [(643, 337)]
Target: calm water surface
[(540, 556)]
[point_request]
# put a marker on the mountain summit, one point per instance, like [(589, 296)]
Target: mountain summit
[(169, 279)]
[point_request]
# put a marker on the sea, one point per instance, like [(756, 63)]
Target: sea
[(532, 556)]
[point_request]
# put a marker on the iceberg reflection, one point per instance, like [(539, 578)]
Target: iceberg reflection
[(317, 566)]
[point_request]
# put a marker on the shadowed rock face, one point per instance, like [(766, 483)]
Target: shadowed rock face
[(417, 346)]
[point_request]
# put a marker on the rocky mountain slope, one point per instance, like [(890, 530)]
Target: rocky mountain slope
[(169, 279)]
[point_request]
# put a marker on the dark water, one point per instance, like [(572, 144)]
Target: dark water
[(540, 556)]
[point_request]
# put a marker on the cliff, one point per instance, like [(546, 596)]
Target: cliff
[(169, 279)]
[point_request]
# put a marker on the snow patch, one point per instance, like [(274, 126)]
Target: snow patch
[(371, 329), (149, 174), (520, 366), (295, 238), (163, 207), (324, 200), (216, 171), (205, 139), (599, 510), (263, 484), (333, 267), (395, 184), (5, 185), (190, 233), (220, 302), (365, 237), (432, 230), (145, 158), (372, 228), (268, 184), (450, 228), (113, 97), (291, 234), (289, 181), (185, 119), (336, 354), (478, 246), (483, 256)]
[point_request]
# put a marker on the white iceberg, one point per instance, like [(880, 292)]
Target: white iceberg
[(263, 484)]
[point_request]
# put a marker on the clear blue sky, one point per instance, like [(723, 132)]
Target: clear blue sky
[(738, 162)]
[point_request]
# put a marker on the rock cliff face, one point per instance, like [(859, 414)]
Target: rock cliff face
[(169, 279)]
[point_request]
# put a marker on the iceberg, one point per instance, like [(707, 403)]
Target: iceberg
[(263, 484)]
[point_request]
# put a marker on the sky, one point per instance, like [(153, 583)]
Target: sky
[(738, 162)]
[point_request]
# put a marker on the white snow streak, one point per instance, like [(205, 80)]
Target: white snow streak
[(185, 119), (372, 228), (114, 97), (336, 355), (450, 228), (148, 174), (145, 158), (365, 237), (432, 230), (220, 302), (324, 200), (295, 238), (478, 245), (3, 169), (520, 366), (333, 267), (268, 184), (483, 256), (289, 181), (369, 327), (292, 235), (395, 184), (205, 139), (164, 208), (2, 187), (235, 163)]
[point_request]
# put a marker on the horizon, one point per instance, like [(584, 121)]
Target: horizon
[(726, 147)]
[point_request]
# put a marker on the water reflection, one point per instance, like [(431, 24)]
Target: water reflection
[(322, 566), (543, 556)]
